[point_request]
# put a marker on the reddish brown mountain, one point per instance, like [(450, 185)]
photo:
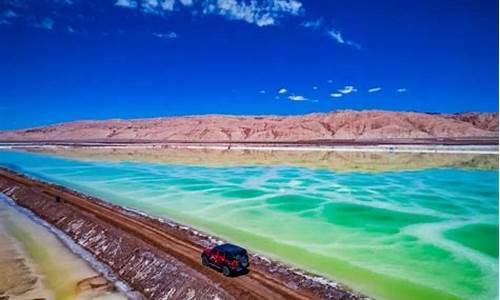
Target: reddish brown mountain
[(359, 125)]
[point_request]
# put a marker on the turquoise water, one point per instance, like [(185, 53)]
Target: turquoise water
[(430, 234)]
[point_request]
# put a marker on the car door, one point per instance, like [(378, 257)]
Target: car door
[(214, 257), (218, 258)]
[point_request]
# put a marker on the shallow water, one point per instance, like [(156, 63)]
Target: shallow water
[(35, 264), (428, 234)]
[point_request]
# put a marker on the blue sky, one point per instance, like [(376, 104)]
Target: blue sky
[(65, 60)]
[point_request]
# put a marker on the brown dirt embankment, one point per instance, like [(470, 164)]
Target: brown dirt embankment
[(160, 260)]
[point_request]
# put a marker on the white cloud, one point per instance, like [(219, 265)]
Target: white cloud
[(170, 35), (336, 95), (347, 89), (315, 87), (297, 98), (313, 24), (150, 6), (167, 5), (282, 91), (337, 36), (260, 13), (374, 90), (126, 3), (403, 90), (330, 81), (262, 91)]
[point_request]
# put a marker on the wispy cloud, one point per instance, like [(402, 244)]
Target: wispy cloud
[(186, 2), (46, 23), (402, 90), (339, 38), (297, 98), (300, 98), (127, 3), (262, 91), (170, 35), (167, 5), (9, 14), (315, 87), (313, 24), (336, 95), (336, 35), (282, 91), (260, 13), (374, 90), (347, 89)]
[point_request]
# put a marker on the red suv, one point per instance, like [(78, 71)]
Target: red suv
[(228, 258)]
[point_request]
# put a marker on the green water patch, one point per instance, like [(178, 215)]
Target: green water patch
[(371, 219), (379, 233), (292, 203), (378, 285), (480, 237), (440, 203), (243, 193)]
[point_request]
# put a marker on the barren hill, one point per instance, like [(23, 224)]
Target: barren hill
[(338, 125)]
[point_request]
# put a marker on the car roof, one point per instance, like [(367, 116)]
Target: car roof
[(229, 248)]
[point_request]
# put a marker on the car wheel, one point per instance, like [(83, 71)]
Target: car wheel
[(204, 260), (226, 271)]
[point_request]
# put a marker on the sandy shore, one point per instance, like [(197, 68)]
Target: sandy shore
[(35, 264), (366, 146), (447, 149)]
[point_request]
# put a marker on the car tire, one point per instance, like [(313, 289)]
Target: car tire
[(226, 271), (204, 260)]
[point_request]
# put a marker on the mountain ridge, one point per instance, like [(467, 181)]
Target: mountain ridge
[(336, 125)]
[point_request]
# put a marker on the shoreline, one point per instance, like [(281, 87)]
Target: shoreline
[(373, 148), (70, 245), (59, 267)]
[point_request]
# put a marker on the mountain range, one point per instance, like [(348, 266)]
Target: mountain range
[(337, 125)]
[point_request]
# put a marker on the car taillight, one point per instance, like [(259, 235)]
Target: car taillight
[(234, 263)]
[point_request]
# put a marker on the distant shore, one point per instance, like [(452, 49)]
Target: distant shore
[(396, 146)]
